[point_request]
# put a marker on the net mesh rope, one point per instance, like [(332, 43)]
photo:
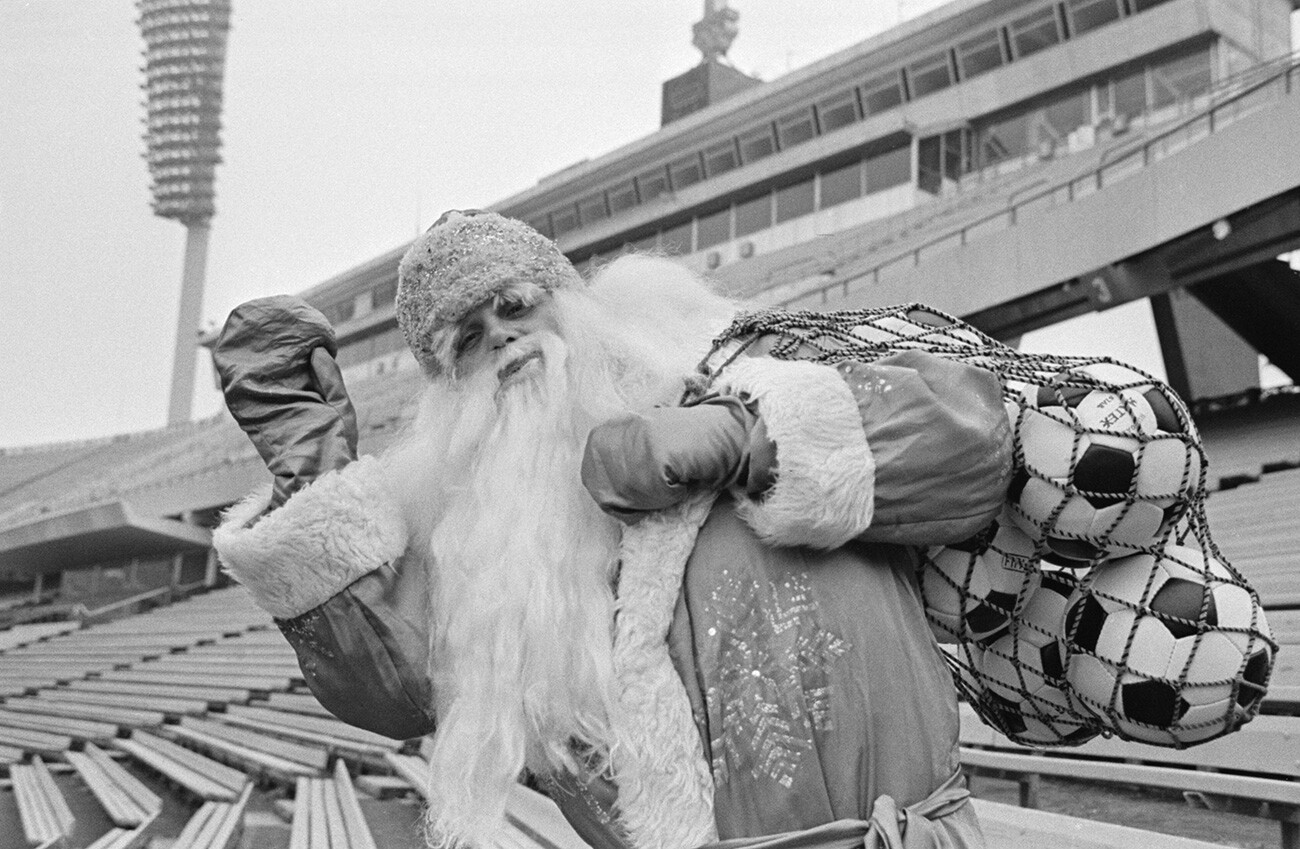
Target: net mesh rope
[(1098, 602)]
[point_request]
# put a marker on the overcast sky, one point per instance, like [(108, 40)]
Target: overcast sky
[(348, 127)]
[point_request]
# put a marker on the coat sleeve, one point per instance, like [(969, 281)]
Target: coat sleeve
[(329, 567), (913, 448)]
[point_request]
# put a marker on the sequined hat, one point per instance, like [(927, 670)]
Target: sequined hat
[(466, 257)]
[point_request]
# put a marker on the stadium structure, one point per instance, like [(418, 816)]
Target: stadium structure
[(1012, 162)]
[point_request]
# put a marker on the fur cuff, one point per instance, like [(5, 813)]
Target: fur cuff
[(339, 528), (825, 474)]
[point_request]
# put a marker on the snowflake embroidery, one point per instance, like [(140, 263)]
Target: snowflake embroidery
[(772, 688)]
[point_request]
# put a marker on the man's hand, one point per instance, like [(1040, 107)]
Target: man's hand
[(648, 461), (275, 357)]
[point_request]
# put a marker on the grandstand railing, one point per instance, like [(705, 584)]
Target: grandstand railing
[(1241, 95)]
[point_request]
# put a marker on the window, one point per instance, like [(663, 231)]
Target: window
[(1143, 5), (1087, 15), (385, 293), (676, 240), (1005, 139), (929, 75), (340, 312), (713, 229), (1180, 80), (644, 245), (793, 201), (592, 208), (686, 172), (795, 128), (880, 94), (652, 184), (1130, 94), (837, 111), (753, 215), (564, 219), (542, 224), (980, 54), (622, 197), (841, 185), (757, 143), (889, 169), (1034, 32), (721, 158)]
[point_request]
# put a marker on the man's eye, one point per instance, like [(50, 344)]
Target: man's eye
[(514, 309), (466, 342)]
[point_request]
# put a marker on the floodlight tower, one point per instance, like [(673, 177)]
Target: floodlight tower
[(185, 56)]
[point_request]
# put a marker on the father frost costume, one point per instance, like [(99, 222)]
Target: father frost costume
[(688, 622)]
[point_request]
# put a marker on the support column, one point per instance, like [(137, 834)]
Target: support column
[(185, 352), (1204, 358), (38, 587), (210, 574)]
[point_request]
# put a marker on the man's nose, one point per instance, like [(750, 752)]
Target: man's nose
[(502, 333)]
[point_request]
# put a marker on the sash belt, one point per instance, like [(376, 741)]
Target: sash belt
[(890, 827)]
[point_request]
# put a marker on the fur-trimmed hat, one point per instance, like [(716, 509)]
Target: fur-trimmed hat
[(465, 258)]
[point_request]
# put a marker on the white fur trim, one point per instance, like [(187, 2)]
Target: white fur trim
[(327, 535), (825, 476), (665, 790)]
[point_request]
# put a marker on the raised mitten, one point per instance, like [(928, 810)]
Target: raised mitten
[(275, 357)]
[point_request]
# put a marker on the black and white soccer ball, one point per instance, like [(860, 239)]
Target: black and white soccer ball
[(1171, 649), (1109, 461), (972, 589), (1021, 674)]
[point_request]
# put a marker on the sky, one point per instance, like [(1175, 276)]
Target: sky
[(347, 128)]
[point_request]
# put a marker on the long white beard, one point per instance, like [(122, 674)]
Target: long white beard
[(522, 607), (521, 558)]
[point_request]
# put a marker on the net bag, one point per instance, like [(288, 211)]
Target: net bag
[(1097, 602)]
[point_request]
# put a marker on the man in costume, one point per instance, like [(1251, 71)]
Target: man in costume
[(669, 581)]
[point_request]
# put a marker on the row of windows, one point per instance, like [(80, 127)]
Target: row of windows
[(823, 190), (1118, 100), (1018, 38)]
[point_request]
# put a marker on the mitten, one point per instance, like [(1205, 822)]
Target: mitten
[(275, 358), (644, 462)]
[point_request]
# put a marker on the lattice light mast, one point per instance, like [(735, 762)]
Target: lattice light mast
[(185, 55)]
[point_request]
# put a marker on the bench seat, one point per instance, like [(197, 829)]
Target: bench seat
[(128, 802), (200, 775), (43, 811), (215, 825)]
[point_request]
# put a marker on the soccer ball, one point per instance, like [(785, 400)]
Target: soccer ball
[(1022, 673), (1109, 462), (1170, 649), (971, 589)]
